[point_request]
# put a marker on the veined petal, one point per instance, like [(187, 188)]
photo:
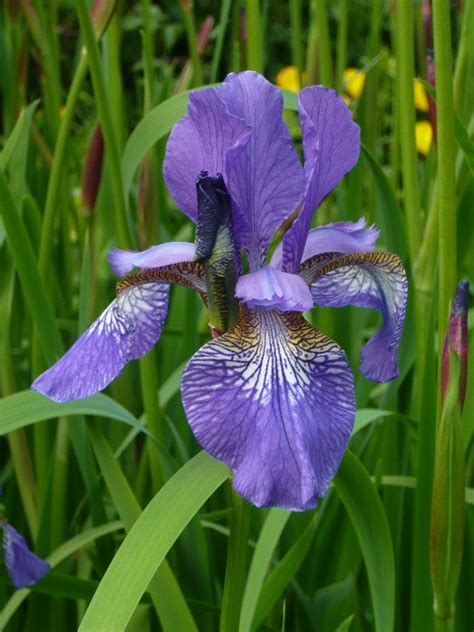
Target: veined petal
[(200, 142), (126, 330), (24, 567), (272, 288), (345, 237), (375, 280), (123, 261), (265, 179), (274, 399), (331, 145)]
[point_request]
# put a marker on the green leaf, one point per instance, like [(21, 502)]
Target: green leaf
[(366, 512), (284, 572), (346, 624), (64, 551), (165, 592), (149, 541), (264, 551), (27, 407), (25, 262), (156, 124), (388, 211), (19, 132)]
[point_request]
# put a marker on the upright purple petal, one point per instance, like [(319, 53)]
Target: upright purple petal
[(123, 261), (23, 566), (274, 399), (272, 288), (375, 280), (126, 330), (331, 145), (200, 142), (265, 180), (344, 237)]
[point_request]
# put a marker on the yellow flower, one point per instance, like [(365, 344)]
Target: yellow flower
[(288, 79), (353, 82), (421, 100), (423, 137)]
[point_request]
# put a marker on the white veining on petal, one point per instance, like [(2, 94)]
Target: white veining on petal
[(272, 394)]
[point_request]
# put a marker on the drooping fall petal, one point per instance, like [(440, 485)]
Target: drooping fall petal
[(274, 399), (375, 280)]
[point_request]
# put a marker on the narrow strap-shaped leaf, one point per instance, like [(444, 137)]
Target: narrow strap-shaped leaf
[(264, 551), (366, 512), (159, 525), (165, 592), (389, 215), (27, 407), (25, 263), (63, 551), (284, 572)]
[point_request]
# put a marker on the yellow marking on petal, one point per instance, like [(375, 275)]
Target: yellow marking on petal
[(354, 81), (288, 79), (419, 95), (423, 137), (188, 273), (319, 265)]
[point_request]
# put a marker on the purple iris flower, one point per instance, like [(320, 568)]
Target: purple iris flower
[(270, 395), (23, 566)]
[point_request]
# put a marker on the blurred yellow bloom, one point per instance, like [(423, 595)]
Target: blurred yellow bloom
[(421, 100), (423, 137), (288, 79), (353, 80)]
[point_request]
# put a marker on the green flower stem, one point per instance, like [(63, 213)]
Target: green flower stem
[(105, 117), (17, 442), (223, 19), (463, 85), (342, 31), (236, 567), (321, 13), (446, 156), (405, 77), (420, 584), (190, 27), (51, 82), (25, 477), (147, 56), (149, 388), (296, 37), (235, 53), (312, 70), (254, 35), (113, 73), (59, 155)]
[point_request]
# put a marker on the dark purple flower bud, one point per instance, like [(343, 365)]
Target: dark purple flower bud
[(456, 339), (93, 169), (23, 566), (430, 77)]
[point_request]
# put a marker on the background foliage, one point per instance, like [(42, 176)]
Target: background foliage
[(134, 520)]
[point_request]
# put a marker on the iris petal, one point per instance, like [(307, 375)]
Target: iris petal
[(345, 237), (200, 142), (274, 399), (126, 330), (272, 288), (331, 145), (123, 261), (375, 280), (23, 566), (265, 180)]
